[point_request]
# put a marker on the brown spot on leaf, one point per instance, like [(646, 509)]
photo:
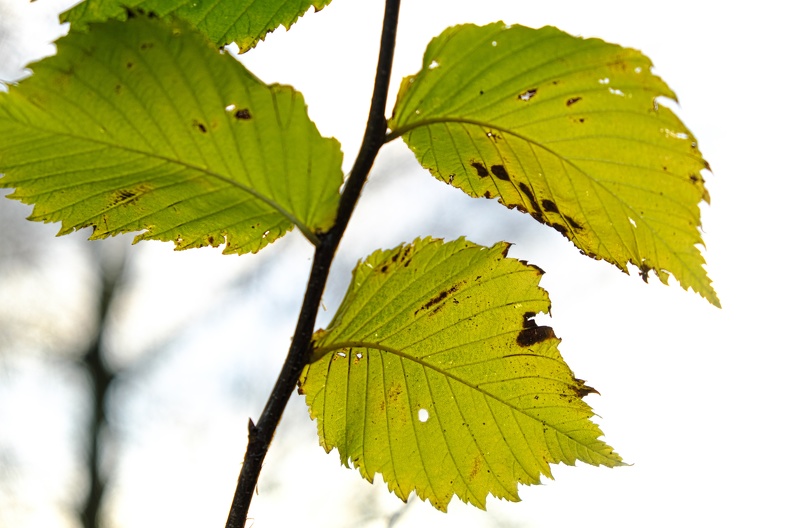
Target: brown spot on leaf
[(561, 228), (581, 389), (531, 198), (127, 196), (531, 333), (644, 271), (549, 206), (200, 126), (243, 113), (476, 468), (500, 172), (487, 194), (481, 170), (573, 100), (438, 298), (571, 221)]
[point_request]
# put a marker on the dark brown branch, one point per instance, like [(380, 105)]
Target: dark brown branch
[(260, 434)]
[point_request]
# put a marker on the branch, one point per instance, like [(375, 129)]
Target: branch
[(260, 434)]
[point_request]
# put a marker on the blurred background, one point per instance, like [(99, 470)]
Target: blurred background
[(128, 373)]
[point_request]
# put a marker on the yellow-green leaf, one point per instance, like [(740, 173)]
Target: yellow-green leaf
[(566, 129), (435, 374), (223, 21), (145, 126)]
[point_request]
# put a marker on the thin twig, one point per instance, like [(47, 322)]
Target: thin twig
[(260, 434)]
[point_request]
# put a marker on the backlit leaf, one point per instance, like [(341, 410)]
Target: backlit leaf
[(568, 130), (435, 374), (223, 21), (144, 126)]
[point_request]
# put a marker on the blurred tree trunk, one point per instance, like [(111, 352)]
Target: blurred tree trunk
[(111, 270)]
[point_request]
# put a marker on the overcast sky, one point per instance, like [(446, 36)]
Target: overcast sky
[(694, 397)]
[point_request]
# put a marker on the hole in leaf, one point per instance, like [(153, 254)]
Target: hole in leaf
[(359, 355), (434, 65), (423, 415), (616, 91), (604, 81), (494, 42), (341, 354), (230, 108), (526, 95)]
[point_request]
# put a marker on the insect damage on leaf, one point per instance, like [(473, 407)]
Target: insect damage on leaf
[(620, 186), (190, 173), (531, 333), (499, 403)]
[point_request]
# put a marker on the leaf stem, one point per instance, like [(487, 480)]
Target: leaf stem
[(260, 434)]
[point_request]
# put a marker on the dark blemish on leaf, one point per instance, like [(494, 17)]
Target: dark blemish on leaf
[(528, 316), (505, 251), (530, 195), (437, 299), (549, 206), (117, 89), (500, 172), (124, 194), (533, 334), (487, 194), (200, 126), (571, 221), (243, 113), (129, 65), (561, 228), (581, 389), (384, 269), (481, 92), (665, 168), (127, 196), (695, 178), (581, 120), (572, 100), (481, 170), (210, 239), (146, 46), (644, 271), (527, 95)]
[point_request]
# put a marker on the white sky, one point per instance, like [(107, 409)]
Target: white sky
[(694, 397)]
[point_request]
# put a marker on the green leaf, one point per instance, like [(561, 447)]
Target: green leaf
[(223, 21), (435, 374), (568, 130), (144, 125)]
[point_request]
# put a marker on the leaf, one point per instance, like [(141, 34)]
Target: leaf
[(435, 374), (222, 21), (568, 130), (144, 125)]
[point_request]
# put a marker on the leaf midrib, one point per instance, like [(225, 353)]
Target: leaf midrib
[(399, 132), (404, 356)]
